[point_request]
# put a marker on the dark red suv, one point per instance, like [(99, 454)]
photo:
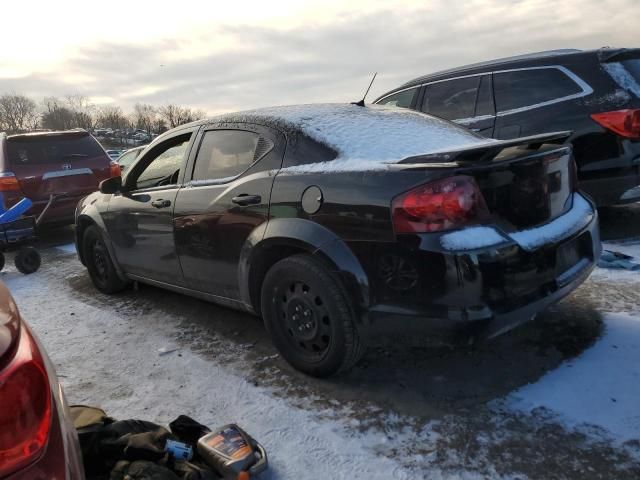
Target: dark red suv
[(37, 165)]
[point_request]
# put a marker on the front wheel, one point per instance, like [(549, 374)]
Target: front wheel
[(309, 317), (99, 264), (27, 260)]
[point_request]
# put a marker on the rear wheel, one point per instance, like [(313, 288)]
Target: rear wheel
[(27, 260), (309, 317), (101, 269)]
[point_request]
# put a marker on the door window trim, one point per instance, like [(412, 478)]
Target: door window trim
[(191, 183), (150, 148), (585, 88)]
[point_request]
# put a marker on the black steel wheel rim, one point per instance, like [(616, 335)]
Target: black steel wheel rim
[(99, 255), (303, 318)]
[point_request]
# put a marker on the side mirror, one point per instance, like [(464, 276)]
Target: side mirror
[(111, 185)]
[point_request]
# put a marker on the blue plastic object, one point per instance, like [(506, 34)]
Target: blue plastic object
[(16, 211)]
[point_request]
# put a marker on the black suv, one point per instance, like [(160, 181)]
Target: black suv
[(595, 94)]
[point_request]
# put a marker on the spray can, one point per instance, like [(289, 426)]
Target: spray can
[(230, 451)]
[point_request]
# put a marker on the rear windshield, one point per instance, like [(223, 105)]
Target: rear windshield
[(52, 149), (626, 74), (633, 67)]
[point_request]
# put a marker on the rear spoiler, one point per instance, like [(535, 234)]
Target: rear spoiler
[(606, 55), (486, 152)]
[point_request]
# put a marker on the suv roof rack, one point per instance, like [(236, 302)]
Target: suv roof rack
[(525, 56), (54, 133)]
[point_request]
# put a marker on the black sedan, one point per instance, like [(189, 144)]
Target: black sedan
[(340, 223)]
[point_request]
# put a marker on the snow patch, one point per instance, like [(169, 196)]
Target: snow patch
[(68, 248), (471, 238), (574, 220), (600, 387), (622, 77), (619, 97), (365, 138)]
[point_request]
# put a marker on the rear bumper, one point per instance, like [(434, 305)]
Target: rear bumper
[(483, 293), (62, 210)]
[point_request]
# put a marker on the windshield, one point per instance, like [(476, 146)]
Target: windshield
[(51, 149)]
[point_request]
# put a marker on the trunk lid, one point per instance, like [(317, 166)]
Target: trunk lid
[(57, 162), (524, 182)]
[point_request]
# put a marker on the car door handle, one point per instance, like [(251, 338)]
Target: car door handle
[(160, 203), (245, 199)]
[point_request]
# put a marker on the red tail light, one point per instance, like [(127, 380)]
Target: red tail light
[(623, 122), (441, 205), (114, 169), (9, 182), (25, 407)]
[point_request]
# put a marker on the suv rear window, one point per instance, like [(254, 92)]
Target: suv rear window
[(452, 99), (633, 67), (45, 149), (526, 88)]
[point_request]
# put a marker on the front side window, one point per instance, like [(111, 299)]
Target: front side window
[(127, 159), (452, 99), (225, 154), (402, 99), (527, 88), (168, 159)]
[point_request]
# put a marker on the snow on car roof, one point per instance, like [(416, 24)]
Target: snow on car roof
[(370, 137)]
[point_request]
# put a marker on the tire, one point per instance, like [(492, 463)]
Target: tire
[(99, 264), (309, 317), (27, 260), (2, 261)]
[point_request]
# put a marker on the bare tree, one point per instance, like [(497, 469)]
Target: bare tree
[(56, 116), (18, 113), (144, 116), (84, 111), (176, 115), (111, 116)]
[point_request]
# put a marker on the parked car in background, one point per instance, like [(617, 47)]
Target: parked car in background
[(127, 158), (114, 154), (595, 94), (37, 436), (341, 223), (37, 165)]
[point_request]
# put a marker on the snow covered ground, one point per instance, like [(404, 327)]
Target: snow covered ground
[(558, 398)]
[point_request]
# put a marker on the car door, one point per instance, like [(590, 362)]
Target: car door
[(467, 101), (140, 218), (226, 200)]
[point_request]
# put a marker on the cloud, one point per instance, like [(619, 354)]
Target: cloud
[(232, 67)]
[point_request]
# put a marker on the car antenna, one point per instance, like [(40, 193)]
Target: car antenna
[(361, 102)]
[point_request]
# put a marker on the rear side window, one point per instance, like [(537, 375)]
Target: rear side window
[(526, 88), (39, 150), (401, 99), (452, 99), (224, 154)]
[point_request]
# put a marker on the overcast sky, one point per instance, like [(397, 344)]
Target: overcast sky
[(232, 55)]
